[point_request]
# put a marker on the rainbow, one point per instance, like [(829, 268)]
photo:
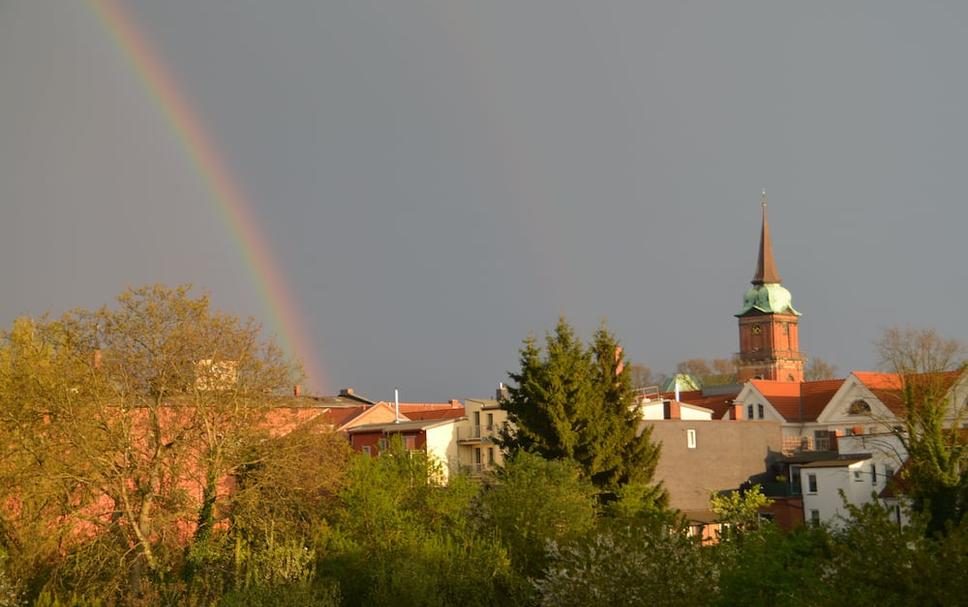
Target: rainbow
[(224, 189)]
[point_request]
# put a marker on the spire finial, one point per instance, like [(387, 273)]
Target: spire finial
[(765, 266)]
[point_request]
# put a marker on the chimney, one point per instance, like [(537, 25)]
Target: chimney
[(346, 392), (297, 390), (502, 391), (736, 411), (671, 410), (96, 358), (454, 403)]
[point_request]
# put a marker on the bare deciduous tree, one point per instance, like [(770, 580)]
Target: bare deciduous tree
[(818, 369)]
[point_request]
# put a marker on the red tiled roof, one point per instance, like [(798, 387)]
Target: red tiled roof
[(436, 414), (338, 417), (879, 381), (798, 402), (410, 407), (816, 394), (887, 386)]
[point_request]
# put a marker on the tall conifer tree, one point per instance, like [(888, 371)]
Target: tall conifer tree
[(577, 403)]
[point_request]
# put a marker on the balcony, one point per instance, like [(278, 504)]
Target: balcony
[(477, 434), (476, 469), (793, 445), (781, 489)]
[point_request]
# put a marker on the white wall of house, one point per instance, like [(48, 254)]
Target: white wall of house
[(442, 445), (854, 480), (837, 414), (959, 402), (655, 410), (478, 450), (749, 397)]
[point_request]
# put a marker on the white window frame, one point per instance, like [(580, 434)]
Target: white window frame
[(812, 483), (690, 438)]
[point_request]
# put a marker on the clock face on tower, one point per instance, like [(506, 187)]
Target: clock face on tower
[(757, 329)]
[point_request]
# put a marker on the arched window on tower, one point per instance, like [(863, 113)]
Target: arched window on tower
[(859, 407)]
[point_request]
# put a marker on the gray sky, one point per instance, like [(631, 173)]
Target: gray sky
[(439, 178)]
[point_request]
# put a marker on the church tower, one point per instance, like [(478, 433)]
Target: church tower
[(769, 341)]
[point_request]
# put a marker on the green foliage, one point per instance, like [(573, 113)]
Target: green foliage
[(402, 537), (292, 595), (739, 510), (936, 474), (576, 403), (536, 501), (646, 564), (771, 567)]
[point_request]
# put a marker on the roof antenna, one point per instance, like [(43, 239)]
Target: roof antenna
[(396, 406), (763, 198)]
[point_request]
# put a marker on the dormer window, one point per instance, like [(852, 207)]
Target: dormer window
[(859, 407)]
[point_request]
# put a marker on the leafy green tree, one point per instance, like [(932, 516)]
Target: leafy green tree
[(644, 564), (127, 418), (772, 567), (534, 501), (739, 510), (404, 538), (879, 562), (936, 473), (577, 403)]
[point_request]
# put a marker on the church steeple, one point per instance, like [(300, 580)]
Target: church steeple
[(769, 344), (766, 272)]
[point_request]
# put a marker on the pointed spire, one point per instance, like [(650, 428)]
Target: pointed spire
[(765, 266)]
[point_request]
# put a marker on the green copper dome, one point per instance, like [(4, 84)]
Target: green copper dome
[(686, 383), (769, 298)]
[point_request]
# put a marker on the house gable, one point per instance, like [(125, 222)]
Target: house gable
[(856, 404), (751, 395)]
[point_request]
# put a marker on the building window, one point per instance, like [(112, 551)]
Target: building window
[(366, 450), (490, 421), (859, 407), (410, 442), (490, 456), (749, 412), (874, 474), (888, 473), (811, 483), (691, 438), (382, 443), (759, 411), (857, 476), (795, 480), (477, 456), (815, 517)]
